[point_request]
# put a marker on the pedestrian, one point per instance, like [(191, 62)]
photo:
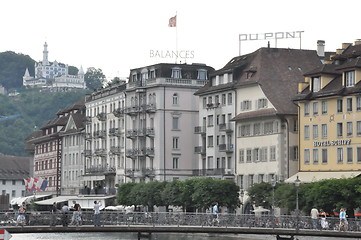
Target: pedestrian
[(53, 211), (97, 213), (343, 220), (324, 222), (215, 213), (76, 219), (21, 217), (314, 217), (65, 213)]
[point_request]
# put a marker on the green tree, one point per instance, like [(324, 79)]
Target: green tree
[(261, 194), (73, 70), (124, 191), (172, 193), (94, 78)]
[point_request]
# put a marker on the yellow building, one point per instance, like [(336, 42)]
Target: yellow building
[(329, 104)]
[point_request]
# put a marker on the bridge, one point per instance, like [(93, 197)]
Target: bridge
[(282, 227)]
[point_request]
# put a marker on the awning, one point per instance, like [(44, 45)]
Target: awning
[(58, 199), (20, 200), (93, 178), (308, 177)]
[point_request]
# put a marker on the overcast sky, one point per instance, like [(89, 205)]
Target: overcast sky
[(118, 35)]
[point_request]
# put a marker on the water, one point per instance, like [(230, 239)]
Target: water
[(155, 236)]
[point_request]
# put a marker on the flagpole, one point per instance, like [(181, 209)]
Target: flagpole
[(176, 36)]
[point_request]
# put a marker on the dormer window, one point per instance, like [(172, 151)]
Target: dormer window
[(316, 84), (349, 78), (152, 74), (134, 77), (176, 72), (202, 74)]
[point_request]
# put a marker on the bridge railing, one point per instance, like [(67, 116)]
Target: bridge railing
[(180, 219)]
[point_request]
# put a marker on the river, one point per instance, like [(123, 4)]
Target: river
[(155, 236)]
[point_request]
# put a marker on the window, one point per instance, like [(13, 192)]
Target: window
[(175, 162), (349, 104), (307, 156), (14, 182), (306, 109), (358, 103), (210, 121), (175, 99), (216, 99), (246, 105), (315, 108), (241, 155), (229, 98), (307, 132), (202, 74), (224, 100), (210, 162), (339, 155), (358, 154), (315, 156), (3, 192), (349, 155), (315, 131), (349, 78), (316, 84), (257, 129), (358, 128), (204, 102), (294, 153), (339, 105), (250, 180), (256, 154), (13, 193), (349, 129), (268, 127), (245, 130), (210, 141), (176, 73), (324, 130), (324, 155), (249, 155), (324, 107), (272, 153), (175, 123), (262, 103), (175, 142), (339, 129)]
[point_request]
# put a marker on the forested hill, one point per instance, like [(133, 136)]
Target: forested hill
[(30, 110)]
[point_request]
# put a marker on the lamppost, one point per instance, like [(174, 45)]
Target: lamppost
[(273, 183), (242, 195), (297, 184)]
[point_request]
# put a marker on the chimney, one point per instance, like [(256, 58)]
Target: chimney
[(321, 48), (346, 45), (358, 42)]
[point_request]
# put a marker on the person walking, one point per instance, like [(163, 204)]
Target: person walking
[(314, 217), (53, 211), (343, 220), (215, 213), (65, 212), (97, 213)]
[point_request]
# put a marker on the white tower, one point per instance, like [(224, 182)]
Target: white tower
[(45, 55)]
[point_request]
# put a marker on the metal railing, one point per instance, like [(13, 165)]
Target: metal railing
[(180, 219)]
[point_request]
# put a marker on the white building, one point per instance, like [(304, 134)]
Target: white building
[(53, 75)]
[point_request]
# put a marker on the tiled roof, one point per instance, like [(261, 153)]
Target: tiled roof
[(351, 63), (14, 167), (323, 69), (255, 114), (351, 51)]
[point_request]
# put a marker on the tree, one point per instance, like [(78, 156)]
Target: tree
[(124, 191), (73, 70), (261, 194), (94, 78), (171, 193)]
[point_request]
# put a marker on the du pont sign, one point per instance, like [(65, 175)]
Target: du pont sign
[(267, 36)]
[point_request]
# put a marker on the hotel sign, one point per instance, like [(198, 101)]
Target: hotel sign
[(270, 35), (185, 54), (332, 143)]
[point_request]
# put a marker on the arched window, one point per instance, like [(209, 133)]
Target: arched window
[(175, 99)]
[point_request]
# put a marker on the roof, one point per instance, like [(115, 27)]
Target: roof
[(308, 177), (14, 167), (255, 114), (276, 70)]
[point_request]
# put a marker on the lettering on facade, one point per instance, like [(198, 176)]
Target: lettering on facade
[(332, 143), (185, 54), (268, 36)]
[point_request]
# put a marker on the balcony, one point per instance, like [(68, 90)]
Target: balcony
[(225, 127), (140, 173), (88, 136), (142, 132), (100, 191), (209, 172), (100, 170), (100, 152), (225, 147), (200, 150), (150, 152), (114, 132), (102, 116), (150, 132), (88, 153), (150, 108), (100, 134), (88, 120), (131, 153), (134, 110), (131, 133), (119, 112), (200, 130), (116, 150)]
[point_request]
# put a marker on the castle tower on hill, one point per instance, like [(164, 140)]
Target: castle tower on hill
[(53, 75)]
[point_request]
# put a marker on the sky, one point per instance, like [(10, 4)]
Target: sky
[(119, 35)]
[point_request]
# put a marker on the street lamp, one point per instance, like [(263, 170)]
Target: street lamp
[(242, 195), (297, 184), (273, 183)]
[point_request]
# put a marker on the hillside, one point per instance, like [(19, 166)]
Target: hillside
[(32, 109)]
